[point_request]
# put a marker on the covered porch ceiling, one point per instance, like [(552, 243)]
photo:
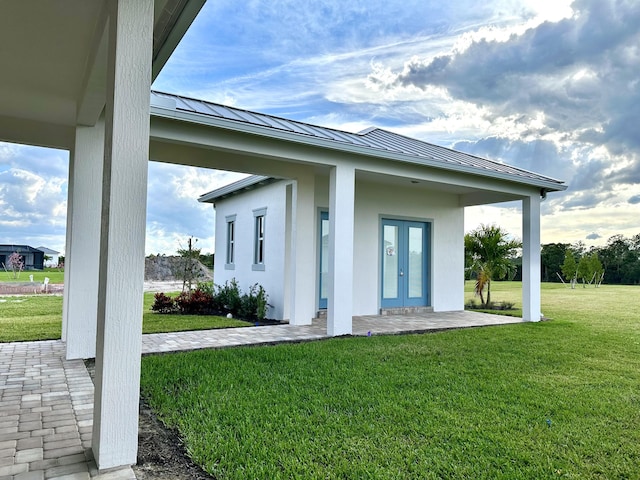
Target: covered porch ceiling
[(53, 57), (469, 195)]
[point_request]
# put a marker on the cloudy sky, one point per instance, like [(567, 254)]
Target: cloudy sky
[(547, 85)]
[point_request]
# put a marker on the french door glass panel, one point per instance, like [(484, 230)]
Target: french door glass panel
[(390, 266), (415, 264), (404, 263)]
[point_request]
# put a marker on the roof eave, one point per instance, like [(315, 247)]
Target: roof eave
[(257, 130), (235, 187), (180, 22)]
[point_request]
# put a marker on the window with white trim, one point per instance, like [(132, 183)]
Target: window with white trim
[(259, 217), (231, 242)]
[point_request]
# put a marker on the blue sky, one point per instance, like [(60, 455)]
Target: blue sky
[(550, 86)]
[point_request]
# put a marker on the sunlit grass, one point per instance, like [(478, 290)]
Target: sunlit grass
[(55, 275), (557, 399), (30, 317), (39, 317)]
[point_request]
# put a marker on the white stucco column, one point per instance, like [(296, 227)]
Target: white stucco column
[(83, 242), (341, 218), (303, 264), (531, 258), (68, 259), (124, 193)]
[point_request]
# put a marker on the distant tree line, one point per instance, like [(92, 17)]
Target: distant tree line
[(617, 262)]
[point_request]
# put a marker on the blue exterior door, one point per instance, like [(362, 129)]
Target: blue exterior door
[(404, 263), (324, 259)]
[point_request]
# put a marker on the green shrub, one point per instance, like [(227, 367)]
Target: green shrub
[(262, 300), (228, 297)]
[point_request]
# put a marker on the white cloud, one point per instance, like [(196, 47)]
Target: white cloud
[(546, 85), (173, 212)]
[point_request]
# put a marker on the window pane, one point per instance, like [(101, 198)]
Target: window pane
[(416, 261), (230, 241), (324, 258), (390, 262), (259, 240)]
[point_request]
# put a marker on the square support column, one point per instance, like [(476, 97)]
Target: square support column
[(303, 275), (124, 194), (341, 218), (83, 237), (531, 258)]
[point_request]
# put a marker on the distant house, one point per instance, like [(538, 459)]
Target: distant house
[(33, 258), (55, 257)]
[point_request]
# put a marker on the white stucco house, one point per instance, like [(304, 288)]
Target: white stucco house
[(54, 255), (403, 213), (77, 76)]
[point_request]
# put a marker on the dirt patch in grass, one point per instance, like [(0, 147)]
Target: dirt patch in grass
[(161, 453)]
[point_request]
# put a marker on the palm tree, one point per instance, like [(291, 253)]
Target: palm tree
[(489, 251)]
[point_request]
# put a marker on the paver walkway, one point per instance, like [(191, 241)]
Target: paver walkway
[(46, 415), (46, 402), (373, 324)]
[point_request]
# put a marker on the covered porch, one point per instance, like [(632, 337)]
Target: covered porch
[(77, 77)]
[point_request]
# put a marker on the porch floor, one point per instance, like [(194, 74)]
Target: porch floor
[(375, 324), (46, 402)]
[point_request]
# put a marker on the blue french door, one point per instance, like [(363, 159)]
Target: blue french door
[(404, 263), (324, 259)]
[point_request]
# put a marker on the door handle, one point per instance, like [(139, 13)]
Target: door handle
[(401, 273)]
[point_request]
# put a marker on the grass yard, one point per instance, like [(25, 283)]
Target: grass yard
[(55, 275), (30, 317), (158, 323), (39, 317), (558, 399)]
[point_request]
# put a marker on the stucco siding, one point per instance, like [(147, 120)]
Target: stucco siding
[(374, 201), (446, 261), (269, 197)]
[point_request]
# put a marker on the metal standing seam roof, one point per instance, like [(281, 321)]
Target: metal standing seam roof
[(19, 248), (372, 139), (248, 183)]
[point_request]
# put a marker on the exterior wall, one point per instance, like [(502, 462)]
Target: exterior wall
[(33, 259), (272, 278), (373, 202), (55, 260), (446, 260)]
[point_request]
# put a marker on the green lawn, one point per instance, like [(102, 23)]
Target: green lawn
[(55, 276), (557, 399), (39, 317), (30, 317)]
